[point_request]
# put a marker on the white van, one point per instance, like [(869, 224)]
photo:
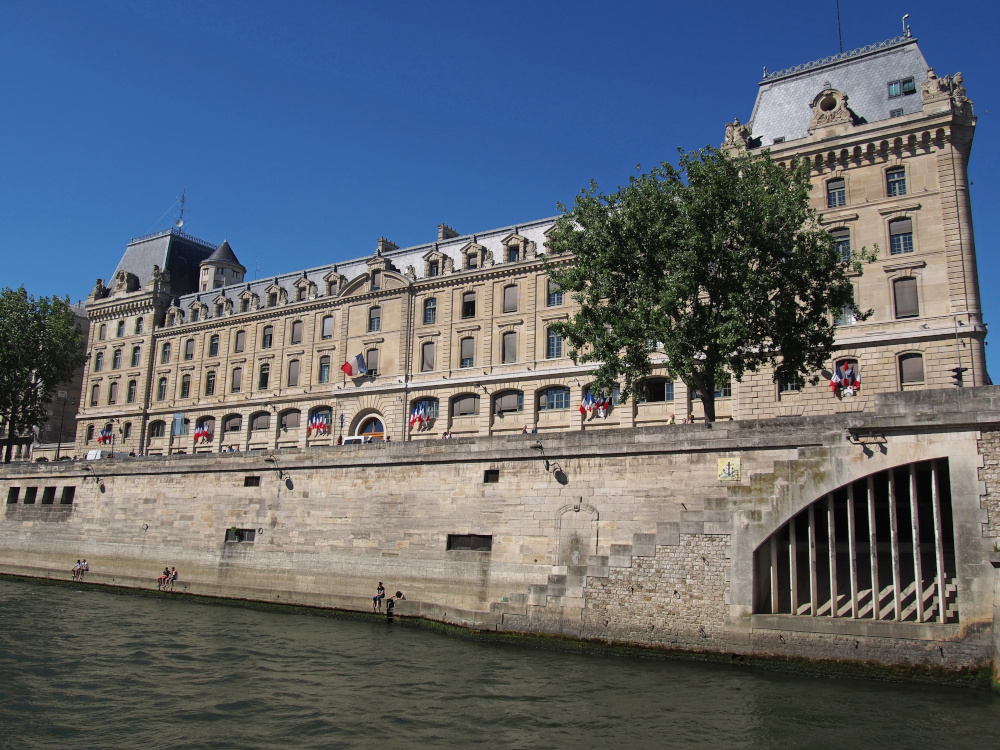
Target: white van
[(97, 454)]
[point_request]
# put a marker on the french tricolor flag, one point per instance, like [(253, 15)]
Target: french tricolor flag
[(355, 367)]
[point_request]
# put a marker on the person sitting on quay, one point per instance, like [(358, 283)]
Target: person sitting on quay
[(173, 579), (76, 571), (161, 582), (377, 599), (83, 568)]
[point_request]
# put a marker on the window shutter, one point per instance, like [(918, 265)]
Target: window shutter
[(906, 298), (510, 347), (510, 299), (427, 363), (911, 368), (901, 226)]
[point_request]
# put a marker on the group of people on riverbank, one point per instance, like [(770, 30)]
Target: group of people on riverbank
[(80, 569), (390, 603), (167, 579)]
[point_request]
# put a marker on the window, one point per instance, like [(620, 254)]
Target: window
[(293, 373), (219, 310), (90, 432), (469, 305), (895, 113), (98, 361), (113, 393), (556, 397), (726, 391), (376, 280), (900, 236), (289, 420), (509, 353), (121, 328), (790, 383), (48, 495), (325, 416), (247, 482), (553, 345), (510, 298), (432, 268), (779, 139), (508, 402), (68, 494), (127, 430), (429, 405), (911, 369), (513, 254), (237, 381), (12, 494), (616, 394), (894, 89), (427, 356), (165, 353), (95, 393), (259, 422), (189, 349), (656, 390), (474, 542), (243, 536), (116, 359), (102, 332), (29, 495), (157, 429), (375, 319), (842, 241), (194, 314), (468, 348), (472, 261), (328, 327), (909, 87), (244, 305), (213, 346), (161, 389), (846, 317), (300, 294), (130, 391), (430, 311), (297, 332), (138, 326), (555, 294), (272, 299), (268, 338), (371, 362), (491, 476), (904, 291), (185, 386), (895, 182), (463, 406), (136, 354), (210, 383), (264, 376), (836, 193), (232, 424), (241, 341)]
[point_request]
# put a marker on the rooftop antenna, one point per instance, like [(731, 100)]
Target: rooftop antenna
[(180, 219), (840, 34), (906, 29)]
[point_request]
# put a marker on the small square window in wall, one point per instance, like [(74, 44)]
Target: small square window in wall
[(48, 495), (30, 493), (895, 113), (491, 476), (241, 536), (251, 481), (68, 495), (13, 494), (473, 542)]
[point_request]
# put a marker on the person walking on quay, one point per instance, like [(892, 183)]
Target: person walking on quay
[(377, 599)]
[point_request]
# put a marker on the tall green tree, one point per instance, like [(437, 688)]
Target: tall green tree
[(40, 347), (721, 261)]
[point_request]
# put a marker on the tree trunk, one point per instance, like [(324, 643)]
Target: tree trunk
[(8, 453), (708, 402)]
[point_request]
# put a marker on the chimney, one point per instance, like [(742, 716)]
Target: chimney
[(445, 232), (385, 246)]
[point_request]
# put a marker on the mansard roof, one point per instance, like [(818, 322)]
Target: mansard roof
[(783, 111), (171, 250)]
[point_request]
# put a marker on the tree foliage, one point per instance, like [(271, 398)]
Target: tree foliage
[(40, 348), (720, 261)]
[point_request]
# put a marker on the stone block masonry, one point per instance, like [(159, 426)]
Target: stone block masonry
[(635, 540)]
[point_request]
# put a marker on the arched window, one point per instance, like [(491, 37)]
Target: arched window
[(293, 372), (508, 402), (90, 432), (102, 332), (260, 421), (267, 339), (289, 420), (98, 361), (121, 328), (836, 193), (189, 349), (161, 389), (210, 383), (904, 292), (328, 327), (297, 332), (375, 319), (430, 311), (113, 393), (847, 377), (264, 376), (157, 429), (467, 350), (553, 345), (616, 393), (324, 369), (116, 359), (427, 407), (656, 390), (213, 345), (232, 423), (427, 356), (131, 391), (138, 326), (842, 241), (321, 421), (556, 397), (165, 353), (900, 236), (465, 405), (237, 381), (371, 362), (185, 386), (204, 429), (136, 354), (469, 305), (911, 369), (95, 394), (373, 428), (508, 353), (510, 298)]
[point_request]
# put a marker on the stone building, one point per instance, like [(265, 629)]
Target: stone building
[(187, 356)]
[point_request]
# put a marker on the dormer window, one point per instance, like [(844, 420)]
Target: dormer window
[(272, 299), (300, 294), (433, 268), (376, 280), (513, 254), (902, 87), (194, 314)]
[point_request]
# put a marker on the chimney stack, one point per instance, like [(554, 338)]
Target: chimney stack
[(445, 232), (385, 246)]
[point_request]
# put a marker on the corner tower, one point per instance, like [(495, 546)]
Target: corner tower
[(220, 269)]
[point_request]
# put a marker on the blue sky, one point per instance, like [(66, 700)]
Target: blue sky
[(304, 131)]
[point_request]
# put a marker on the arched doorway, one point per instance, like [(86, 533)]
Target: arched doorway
[(373, 428)]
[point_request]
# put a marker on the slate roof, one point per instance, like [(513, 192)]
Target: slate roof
[(171, 250), (224, 254), (782, 108)]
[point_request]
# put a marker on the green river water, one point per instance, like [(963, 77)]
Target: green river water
[(86, 668)]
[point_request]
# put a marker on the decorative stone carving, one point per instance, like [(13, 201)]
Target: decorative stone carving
[(411, 273), (334, 282), (159, 280), (951, 88), (100, 291), (449, 264), (737, 136), (830, 108)]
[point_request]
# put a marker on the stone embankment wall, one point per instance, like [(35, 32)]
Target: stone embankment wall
[(624, 536)]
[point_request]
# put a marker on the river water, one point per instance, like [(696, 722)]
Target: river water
[(85, 668)]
